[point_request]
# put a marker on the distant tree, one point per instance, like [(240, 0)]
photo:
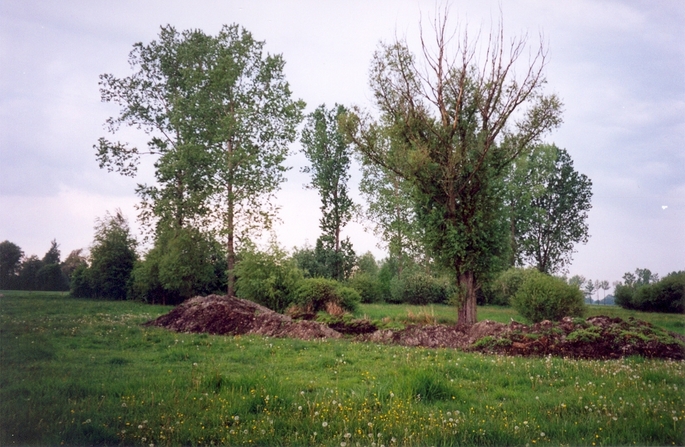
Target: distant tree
[(112, 257), (53, 254), (28, 273), (644, 291), (10, 264), (590, 288), (548, 204), (330, 156), (390, 209), (578, 281), (603, 285), (456, 122), (73, 261)]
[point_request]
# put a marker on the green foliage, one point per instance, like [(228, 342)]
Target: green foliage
[(645, 292), (548, 203), (506, 284), (112, 258), (220, 118), (443, 131), (268, 278), (330, 155), (368, 286), (587, 335), (10, 262), (543, 297), (420, 288), (313, 294), (183, 263)]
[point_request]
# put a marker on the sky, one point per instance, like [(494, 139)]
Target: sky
[(618, 67)]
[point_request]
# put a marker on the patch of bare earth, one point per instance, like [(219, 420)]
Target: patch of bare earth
[(221, 315), (598, 337)]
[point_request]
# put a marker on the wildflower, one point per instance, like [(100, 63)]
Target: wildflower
[(370, 424), (347, 435), (542, 434), (324, 424), (525, 422), (236, 418), (516, 427), (299, 407), (140, 427)]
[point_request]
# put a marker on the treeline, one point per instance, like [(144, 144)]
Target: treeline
[(643, 290), (20, 272)]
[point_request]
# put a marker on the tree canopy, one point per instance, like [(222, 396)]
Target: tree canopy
[(220, 117), (456, 121)]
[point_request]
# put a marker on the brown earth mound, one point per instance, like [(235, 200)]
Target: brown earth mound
[(221, 315), (598, 337)]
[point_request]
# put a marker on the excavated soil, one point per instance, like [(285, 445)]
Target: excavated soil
[(598, 337)]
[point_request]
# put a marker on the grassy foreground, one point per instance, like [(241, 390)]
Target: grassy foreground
[(86, 372)]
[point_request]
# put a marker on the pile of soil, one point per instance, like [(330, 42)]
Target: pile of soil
[(598, 337), (221, 315)]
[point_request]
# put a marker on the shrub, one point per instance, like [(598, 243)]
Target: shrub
[(420, 289), (504, 287), (267, 278), (543, 297), (368, 287), (313, 294)]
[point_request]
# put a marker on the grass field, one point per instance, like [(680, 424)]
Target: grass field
[(85, 372)]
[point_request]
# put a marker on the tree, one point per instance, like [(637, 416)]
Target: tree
[(28, 273), (10, 263), (548, 203), (330, 156), (390, 208), (455, 124), (220, 116), (112, 258), (590, 288), (73, 261)]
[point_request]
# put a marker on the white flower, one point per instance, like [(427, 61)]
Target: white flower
[(370, 424), (140, 427), (347, 435), (542, 434), (324, 424), (236, 418), (343, 444), (516, 427), (300, 408)]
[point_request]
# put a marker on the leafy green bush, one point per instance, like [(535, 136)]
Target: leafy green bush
[(543, 297), (420, 288), (368, 286), (504, 287), (267, 278), (314, 293)]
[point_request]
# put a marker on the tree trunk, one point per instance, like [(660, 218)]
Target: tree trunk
[(466, 315)]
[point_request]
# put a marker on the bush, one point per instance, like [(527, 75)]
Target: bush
[(267, 278), (504, 287), (368, 286), (420, 289), (543, 297), (313, 294)]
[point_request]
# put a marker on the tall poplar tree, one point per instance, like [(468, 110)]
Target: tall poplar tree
[(220, 117), (330, 156)]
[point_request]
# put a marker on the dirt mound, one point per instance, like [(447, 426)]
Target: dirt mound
[(221, 315), (598, 337)]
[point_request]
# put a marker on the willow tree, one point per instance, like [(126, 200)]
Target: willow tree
[(457, 117)]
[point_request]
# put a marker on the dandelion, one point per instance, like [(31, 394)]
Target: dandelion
[(123, 404), (236, 418), (302, 393), (299, 407), (516, 427), (525, 422), (343, 444), (140, 427), (542, 434), (347, 435), (324, 424), (370, 424)]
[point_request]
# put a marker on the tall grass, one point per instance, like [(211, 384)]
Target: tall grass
[(86, 372)]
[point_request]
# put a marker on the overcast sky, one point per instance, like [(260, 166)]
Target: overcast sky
[(618, 66)]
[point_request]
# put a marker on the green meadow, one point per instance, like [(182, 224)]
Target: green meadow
[(80, 372)]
